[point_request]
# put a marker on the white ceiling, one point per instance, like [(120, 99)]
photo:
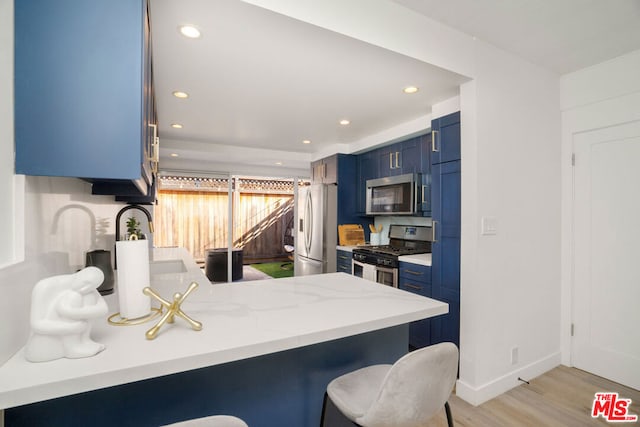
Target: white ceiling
[(260, 82), (561, 35)]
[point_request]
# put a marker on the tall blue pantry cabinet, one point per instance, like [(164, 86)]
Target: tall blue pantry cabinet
[(445, 193), (84, 97)]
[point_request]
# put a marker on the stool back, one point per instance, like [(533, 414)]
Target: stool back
[(415, 388)]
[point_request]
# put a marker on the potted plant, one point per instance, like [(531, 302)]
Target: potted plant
[(133, 228)]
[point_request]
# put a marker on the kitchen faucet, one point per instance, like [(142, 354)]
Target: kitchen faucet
[(123, 210)]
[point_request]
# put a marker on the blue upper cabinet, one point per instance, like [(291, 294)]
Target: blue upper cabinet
[(389, 160), (401, 158), (84, 92), (367, 169), (445, 138)]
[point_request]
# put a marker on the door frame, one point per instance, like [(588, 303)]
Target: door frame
[(574, 121)]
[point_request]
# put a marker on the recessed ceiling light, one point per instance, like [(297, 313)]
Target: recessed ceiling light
[(176, 125), (410, 89), (279, 163), (344, 122), (189, 31), (174, 155), (179, 94), (306, 141)]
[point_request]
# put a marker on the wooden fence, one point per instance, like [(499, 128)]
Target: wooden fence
[(198, 220)]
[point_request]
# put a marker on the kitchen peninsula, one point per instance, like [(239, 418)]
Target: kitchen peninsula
[(266, 352)]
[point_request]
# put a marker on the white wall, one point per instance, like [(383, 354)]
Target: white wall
[(510, 282), (596, 97), (63, 221), (46, 224), (7, 226), (510, 295)]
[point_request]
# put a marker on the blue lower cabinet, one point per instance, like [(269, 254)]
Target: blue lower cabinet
[(417, 279), (284, 388), (343, 263)]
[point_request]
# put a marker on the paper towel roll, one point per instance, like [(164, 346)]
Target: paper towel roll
[(133, 276)]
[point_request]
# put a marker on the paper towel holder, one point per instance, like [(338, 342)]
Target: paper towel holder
[(117, 319)]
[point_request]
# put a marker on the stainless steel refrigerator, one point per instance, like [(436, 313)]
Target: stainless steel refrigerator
[(317, 229)]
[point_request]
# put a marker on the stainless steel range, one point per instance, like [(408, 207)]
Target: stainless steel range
[(380, 263)]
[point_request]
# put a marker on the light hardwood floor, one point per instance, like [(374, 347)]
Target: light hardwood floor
[(561, 397)]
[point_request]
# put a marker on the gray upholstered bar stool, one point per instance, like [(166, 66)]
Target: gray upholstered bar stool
[(212, 421), (405, 394)]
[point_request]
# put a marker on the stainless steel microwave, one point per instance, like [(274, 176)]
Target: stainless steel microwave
[(394, 195)]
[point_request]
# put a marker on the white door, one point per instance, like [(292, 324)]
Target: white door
[(606, 281)]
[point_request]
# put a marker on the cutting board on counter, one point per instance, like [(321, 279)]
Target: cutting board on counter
[(350, 235)]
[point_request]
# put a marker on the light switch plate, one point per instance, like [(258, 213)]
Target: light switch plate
[(489, 226)]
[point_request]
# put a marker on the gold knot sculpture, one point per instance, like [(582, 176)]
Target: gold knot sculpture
[(173, 309)]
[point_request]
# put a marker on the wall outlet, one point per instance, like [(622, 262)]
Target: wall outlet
[(514, 355), (489, 226)]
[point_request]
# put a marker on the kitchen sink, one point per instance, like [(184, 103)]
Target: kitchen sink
[(169, 266)]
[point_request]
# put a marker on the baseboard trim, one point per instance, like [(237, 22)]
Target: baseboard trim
[(478, 395)]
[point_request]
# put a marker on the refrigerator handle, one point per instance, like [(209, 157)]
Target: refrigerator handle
[(309, 229)]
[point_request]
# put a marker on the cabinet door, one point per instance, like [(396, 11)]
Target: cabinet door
[(389, 160), (417, 279), (150, 125), (415, 272), (344, 261), (445, 133), (325, 171), (317, 172), (80, 114), (411, 156), (445, 270), (367, 169), (330, 170)]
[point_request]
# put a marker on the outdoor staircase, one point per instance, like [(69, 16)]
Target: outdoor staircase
[(263, 224)]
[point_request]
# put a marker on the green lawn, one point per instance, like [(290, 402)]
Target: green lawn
[(275, 269)]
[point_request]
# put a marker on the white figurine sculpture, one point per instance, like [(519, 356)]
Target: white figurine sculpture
[(61, 309)]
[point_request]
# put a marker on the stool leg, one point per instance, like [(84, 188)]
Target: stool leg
[(448, 411), (324, 408)]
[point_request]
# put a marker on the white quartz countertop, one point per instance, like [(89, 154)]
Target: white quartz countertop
[(420, 259), (240, 320), (349, 248)]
